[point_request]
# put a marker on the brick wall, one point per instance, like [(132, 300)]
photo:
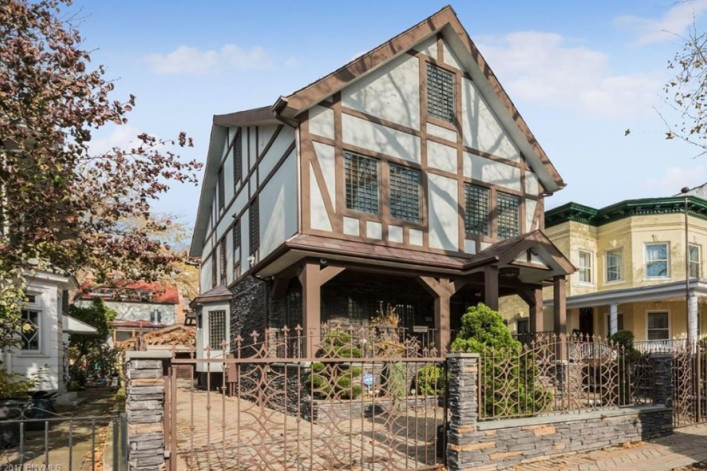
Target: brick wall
[(503, 443)]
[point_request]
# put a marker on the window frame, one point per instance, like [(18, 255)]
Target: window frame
[(209, 341), (348, 184), (442, 104), (585, 269), (467, 225), (646, 261), (33, 305), (516, 214), (692, 263), (402, 169), (617, 253), (648, 328)]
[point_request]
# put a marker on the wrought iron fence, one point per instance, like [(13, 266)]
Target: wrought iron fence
[(559, 375), (372, 401)]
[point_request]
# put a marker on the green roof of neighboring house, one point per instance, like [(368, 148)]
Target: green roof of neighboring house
[(697, 207)]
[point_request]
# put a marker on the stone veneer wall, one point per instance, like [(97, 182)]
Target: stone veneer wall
[(145, 410), (248, 308), (503, 443)]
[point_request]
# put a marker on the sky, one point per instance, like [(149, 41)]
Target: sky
[(580, 73)]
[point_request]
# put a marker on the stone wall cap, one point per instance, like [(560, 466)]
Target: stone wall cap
[(462, 355), (571, 417), (147, 355)]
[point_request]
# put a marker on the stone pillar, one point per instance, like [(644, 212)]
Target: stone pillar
[(463, 370), (662, 378), (613, 318), (145, 410)]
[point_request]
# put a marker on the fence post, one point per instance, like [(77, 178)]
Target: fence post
[(145, 404), (463, 403), (663, 376)]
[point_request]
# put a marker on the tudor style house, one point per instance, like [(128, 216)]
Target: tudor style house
[(405, 178), (631, 267)]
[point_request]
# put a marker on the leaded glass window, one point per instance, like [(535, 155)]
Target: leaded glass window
[(237, 157), (440, 93), (254, 226), (222, 261), (217, 329), (30, 330), (476, 209), (404, 193), (361, 183), (508, 215)]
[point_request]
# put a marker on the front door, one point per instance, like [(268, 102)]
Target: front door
[(586, 321)]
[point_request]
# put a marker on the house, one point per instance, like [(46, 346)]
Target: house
[(406, 178), (639, 267), (41, 354), (140, 307)]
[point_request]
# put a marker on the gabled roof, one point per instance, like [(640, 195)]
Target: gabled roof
[(444, 22), (288, 109)]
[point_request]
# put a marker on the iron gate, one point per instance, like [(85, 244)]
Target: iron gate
[(358, 403), (689, 385)]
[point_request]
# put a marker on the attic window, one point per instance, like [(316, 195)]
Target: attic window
[(440, 93)]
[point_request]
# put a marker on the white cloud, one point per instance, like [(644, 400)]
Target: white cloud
[(542, 67), (676, 178), (123, 136), (674, 22), (192, 61)]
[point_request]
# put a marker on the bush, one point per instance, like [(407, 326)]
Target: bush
[(508, 379), (14, 385), (429, 380), (336, 380)]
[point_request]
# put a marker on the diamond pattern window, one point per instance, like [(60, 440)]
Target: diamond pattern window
[(440, 93), (476, 209), (217, 329), (361, 183), (404, 193), (508, 207)]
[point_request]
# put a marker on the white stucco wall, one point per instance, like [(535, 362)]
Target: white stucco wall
[(443, 213), (278, 207)]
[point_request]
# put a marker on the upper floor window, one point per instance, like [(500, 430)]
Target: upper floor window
[(361, 183), (217, 329), (694, 260), (30, 332), (508, 208), (585, 266), (222, 261), (237, 247), (404, 193), (657, 262), (440, 93), (614, 265), (221, 190), (254, 223), (476, 209), (237, 156)]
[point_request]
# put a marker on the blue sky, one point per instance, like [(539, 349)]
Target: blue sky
[(580, 73)]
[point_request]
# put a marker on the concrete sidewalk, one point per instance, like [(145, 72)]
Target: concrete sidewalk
[(684, 447)]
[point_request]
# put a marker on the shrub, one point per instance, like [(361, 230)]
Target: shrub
[(430, 380), (336, 380), (508, 378), (14, 385)]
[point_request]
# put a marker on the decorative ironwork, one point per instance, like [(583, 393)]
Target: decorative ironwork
[(689, 384), (366, 400), (552, 374)]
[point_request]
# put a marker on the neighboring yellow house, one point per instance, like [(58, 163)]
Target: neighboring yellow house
[(631, 271)]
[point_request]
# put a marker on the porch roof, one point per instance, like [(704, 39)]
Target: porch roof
[(631, 295)]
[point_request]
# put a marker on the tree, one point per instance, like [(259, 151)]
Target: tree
[(83, 346), (686, 92), (62, 206)]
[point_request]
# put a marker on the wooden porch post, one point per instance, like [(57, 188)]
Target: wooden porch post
[(536, 312), (312, 277), (491, 286), (442, 289), (560, 312)]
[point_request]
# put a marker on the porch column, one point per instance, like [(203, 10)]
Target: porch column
[(442, 289), (491, 286), (560, 313), (312, 277), (536, 312), (613, 318), (692, 314)]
